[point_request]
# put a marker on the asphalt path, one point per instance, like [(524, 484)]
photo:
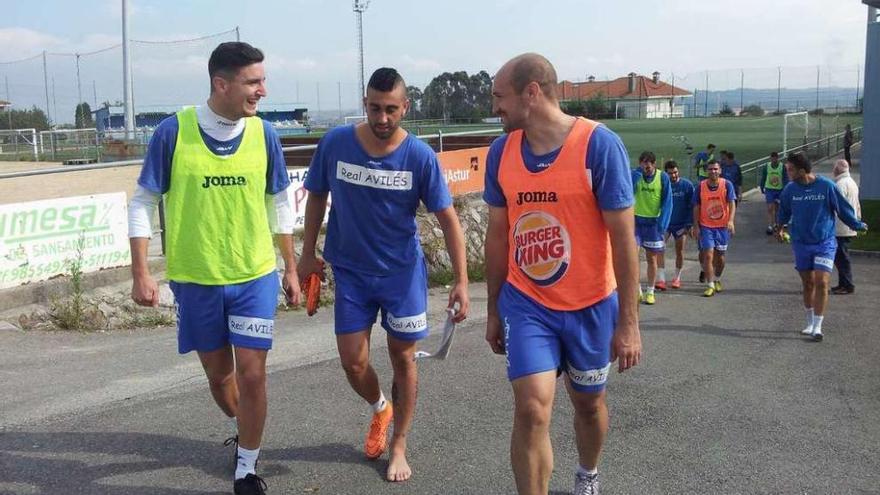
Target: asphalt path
[(729, 398)]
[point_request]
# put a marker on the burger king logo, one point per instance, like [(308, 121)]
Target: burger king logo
[(542, 248), (715, 209)]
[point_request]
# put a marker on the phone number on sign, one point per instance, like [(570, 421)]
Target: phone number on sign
[(50, 268)]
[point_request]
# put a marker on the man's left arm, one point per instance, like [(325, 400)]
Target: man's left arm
[(626, 345), (731, 203), (454, 238), (665, 202)]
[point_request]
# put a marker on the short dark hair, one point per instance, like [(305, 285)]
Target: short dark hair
[(712, 162), (229, 57), (669, 165), (774, 154), (385, 79), (730, 155), (647, 156), (710, 145), (800, 161)]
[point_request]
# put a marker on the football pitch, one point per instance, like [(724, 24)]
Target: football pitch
[(749, 138)]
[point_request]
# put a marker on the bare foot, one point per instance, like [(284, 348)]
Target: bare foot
[(398, 468)]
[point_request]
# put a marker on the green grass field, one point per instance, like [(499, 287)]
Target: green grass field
[(871, 216), (750, 138)]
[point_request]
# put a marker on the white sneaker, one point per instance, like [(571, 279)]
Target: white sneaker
[(817, 335), (808, 330), (586, 484)]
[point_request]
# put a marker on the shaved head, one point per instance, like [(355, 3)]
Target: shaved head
[(531, 67)]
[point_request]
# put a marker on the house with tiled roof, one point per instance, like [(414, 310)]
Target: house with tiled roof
[(4, 104), (632, 96)]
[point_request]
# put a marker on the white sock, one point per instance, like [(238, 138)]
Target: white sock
[(589, 472), (810, 316), (661, 274), (651, 290), (817, 323), (380, 404), (710, 284), (678, 273), (247, 460)]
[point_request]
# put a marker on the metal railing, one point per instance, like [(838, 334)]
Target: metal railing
[(815, 150)]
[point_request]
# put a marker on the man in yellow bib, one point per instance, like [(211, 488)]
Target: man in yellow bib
[(222, 173)]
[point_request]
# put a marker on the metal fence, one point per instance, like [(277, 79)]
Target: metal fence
[(814, 150)]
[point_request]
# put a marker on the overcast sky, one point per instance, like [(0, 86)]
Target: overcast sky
[(311, 44)]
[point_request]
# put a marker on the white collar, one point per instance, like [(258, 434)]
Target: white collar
[(217, 126)]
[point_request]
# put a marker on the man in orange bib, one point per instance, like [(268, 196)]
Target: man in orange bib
[(714, 210), (560, 240)]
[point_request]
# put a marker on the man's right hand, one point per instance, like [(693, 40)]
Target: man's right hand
[(145, 291), (307, 265), (495, 334)]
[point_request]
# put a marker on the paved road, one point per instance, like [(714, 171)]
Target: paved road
[(729, 399)]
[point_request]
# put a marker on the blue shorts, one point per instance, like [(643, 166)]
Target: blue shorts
[(649, 237), (402, 298), (714, 238), (772, 195), (678, 230), (539, 339), (210, 317), (820, 256)]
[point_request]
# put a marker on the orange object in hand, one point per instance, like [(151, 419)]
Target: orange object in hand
[(311, 288)]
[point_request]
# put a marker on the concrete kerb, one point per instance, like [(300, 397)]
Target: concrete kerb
[(44, 291)]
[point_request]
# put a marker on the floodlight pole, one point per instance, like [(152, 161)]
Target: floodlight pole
[(126, 75), (46, 86), (360, 6)]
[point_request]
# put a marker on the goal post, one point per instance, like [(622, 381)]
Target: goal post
[(792, 124), (17, 142)]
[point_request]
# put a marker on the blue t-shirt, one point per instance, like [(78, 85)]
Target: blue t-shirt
[(732, 172), (607, 160), (372, 227), (809, 210), (665, 199), (682, 203), (156, 172), (731, 192)]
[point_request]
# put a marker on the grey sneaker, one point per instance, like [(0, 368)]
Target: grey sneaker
[(586, 484)]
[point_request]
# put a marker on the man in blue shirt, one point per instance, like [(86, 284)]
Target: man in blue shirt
[(731, 171), (714, 215), (808, 206), (379, 174), (216, 231), (702, 159), (679, 223), (653, 197), (773, 180)]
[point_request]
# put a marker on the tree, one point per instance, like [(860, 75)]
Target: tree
[(753, 110), (82, 116), (414, 94), (594, 108), (726, 111), (25, 119), (455, 95)]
